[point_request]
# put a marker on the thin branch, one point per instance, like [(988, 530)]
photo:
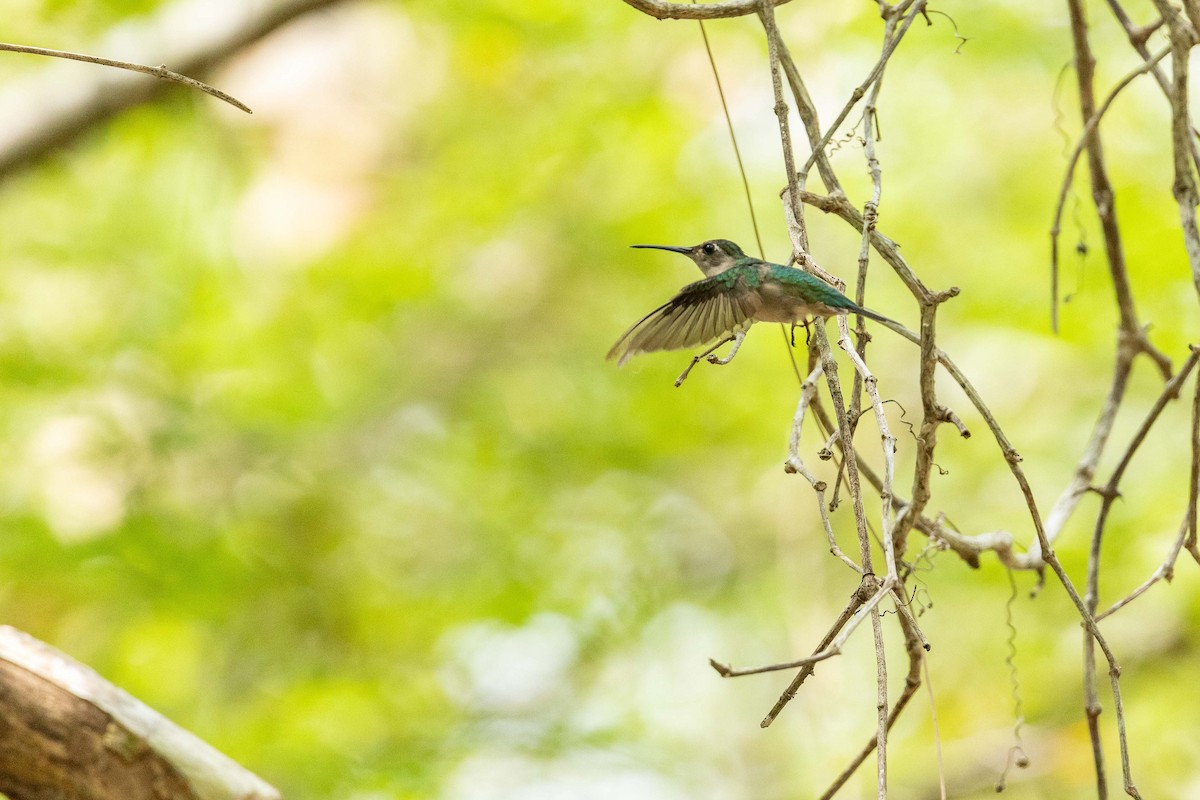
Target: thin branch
[(1111, 490), (795, 465), (1073, 160), (808, 116), (1103, 195), (849, 461), (912, 682), (1165, 571), (1183, 39), (1189, 543), (1138, 35), (726, 671), (889, 451), (1109, 493), (870, 215), (730, 8), (881, 708), (33, 128), (160, 71), (852, 616), (1131, 341), (860, 91), (1186, 536)]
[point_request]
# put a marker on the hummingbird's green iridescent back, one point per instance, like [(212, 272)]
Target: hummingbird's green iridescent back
[(739, 291)]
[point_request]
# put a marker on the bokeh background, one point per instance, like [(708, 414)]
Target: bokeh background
[(309, 441)]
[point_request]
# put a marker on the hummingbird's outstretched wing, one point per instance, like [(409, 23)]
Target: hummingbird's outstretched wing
[(703, 311)]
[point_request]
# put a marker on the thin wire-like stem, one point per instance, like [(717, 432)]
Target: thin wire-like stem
[(737, 151), (937, 736)]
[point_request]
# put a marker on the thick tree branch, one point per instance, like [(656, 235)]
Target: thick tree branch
[(71, 735)]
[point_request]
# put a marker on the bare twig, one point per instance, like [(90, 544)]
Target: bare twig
[(933, 715), (1189, 543), (860, 91), (659, 9), (1183, 39), (1165, 571), (849, 460), (726, 671), (1186, 536), (889, 449), (1069, 173), (881, 708), (808, 116), (34, 127), (1138, 36), (795, 464), (1109, 493), (912, 682), (1111, 490), (160, 71), (1132, 341), (870, 215), (1045, 555)]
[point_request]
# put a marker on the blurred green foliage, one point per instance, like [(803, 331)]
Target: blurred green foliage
[(310, 443)]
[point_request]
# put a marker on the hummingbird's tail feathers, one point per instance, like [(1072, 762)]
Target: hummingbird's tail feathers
[(699, 314), (869, 314), (815, 295)]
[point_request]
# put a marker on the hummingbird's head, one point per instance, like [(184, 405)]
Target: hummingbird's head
[(712, 257)]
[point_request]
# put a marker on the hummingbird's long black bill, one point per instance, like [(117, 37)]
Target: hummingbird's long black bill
[(672, 248)]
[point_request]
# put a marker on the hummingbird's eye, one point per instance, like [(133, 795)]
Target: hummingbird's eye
[(709, 248)]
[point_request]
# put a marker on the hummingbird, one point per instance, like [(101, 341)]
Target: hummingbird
[(737, 291)]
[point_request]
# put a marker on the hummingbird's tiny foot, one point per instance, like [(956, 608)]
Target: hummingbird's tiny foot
[(711, 357), (738, 338)]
